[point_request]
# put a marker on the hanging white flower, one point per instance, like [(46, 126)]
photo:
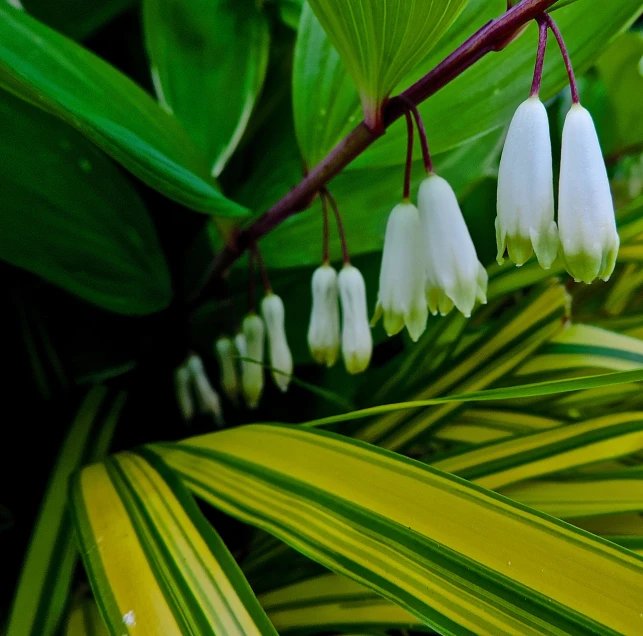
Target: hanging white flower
[(588, 234), (402, 298), (323, 331), (182, 385), (357, 341), (227, 354), (252, 367), (272, 310), (454, 274), (208, 398), (525, 222)]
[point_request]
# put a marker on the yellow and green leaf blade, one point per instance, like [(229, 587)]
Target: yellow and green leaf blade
[(152, 558), (333, 603), (84, 619), (47, 570), (462, 559), (517, 459)]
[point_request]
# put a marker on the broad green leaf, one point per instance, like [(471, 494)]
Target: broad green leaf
[(619, 69), (380, 42), (77, 19), (52, 72), (47, 571), (153, 560), (70, 216), (84, 620), (585, 496), (476, 367), (331, 602), (209, 61), (290, 12), (506, 462), (460, 558)]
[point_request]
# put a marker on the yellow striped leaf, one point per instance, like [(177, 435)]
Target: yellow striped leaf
[(518, 459), (155, 564), (333, 603), (84, 620), (48, 568), (462, 559)]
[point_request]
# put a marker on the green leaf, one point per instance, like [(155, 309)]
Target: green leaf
[(153, 560), (620, 69), (71, 217), (84, 620), (45, 68), (460, 558), (47, 571), (77, 19), (507, 462), (380, 42), (209, 60), (333, 603)]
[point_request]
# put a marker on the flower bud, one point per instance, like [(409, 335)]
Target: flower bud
[(402, 299), (226, 353), (182, 385), (323, 332), (209, 401), (586, 220), (454, 274), (525, 222), (252, 368), (357, 342), (272, 310)]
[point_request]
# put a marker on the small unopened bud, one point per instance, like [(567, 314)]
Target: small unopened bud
[(357, 341), (227, 354), (402, 299), (323, 332), (525, 222), (209, 401), (252, 368), (454, 274), (273, 312), (182, 384), (586, 220)]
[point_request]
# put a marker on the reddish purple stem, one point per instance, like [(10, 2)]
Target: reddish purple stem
[(565, 53), (540, 58), (409, 157)]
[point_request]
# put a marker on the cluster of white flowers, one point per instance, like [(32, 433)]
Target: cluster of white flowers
[(429, 261), (586, 234), (324, 329)]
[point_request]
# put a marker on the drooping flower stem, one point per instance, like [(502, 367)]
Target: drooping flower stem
[(481, 43), (252, 301), (409, 158), (540, 58), (340, 225), (424, 141), (325, 239), (262, 268), (565, 53)]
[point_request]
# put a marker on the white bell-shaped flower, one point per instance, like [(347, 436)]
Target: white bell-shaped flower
[(208, 398), (323, 331), (357, 341), (272, 310), (402, 299), (588, 234), (525, 222), (183, 387), (227, 354), (254, 335), (454, 274)]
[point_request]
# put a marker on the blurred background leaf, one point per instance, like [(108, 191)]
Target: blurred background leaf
[(209, 61)]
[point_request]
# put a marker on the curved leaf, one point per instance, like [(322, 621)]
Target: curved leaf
[(61, 77), (209, 60), (153, 560), (71, 217), (460, 558), (380, 42)]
